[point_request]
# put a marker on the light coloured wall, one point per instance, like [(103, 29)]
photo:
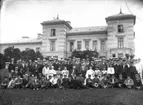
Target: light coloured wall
[(128, 34), (60, 40), (82, 38), (20, 46)]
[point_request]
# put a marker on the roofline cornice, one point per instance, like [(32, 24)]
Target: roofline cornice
[(87, 33), (57, 22), (21, 43)]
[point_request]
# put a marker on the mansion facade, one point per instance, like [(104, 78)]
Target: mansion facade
[(59, 39)]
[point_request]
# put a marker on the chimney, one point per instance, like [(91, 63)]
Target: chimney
[(39, 36), (25, 37)]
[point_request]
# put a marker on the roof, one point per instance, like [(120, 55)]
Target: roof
[(88, 30), (24, 41), (56, 21), (121, 16)]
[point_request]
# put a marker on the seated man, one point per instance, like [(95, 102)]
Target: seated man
[(65, 82), (4, 83), (104, 82), (137, 81), (18, 82), (30, 82), (80, 81), (96, 82), (120, 82), (65, 72), (113, 81), (90, 72), (36, 84), (129, 82), (89, 82), (11, 83), (54, 81)]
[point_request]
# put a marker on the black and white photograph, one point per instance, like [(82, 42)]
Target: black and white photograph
[(71, 52)]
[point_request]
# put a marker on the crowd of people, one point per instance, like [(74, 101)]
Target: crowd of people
[(73, 73)]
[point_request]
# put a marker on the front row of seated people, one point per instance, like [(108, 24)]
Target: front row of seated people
[(64, 80)]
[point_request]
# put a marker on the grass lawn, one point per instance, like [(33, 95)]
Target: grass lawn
[(74, 97)]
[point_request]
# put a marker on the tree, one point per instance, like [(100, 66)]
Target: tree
[(30, 54), (11, 52), (2, 61), (85, 54)]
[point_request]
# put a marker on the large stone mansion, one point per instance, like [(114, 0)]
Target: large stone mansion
[(59, 39)]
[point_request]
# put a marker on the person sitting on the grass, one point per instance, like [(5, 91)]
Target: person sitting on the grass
[(36, 83), (129, 82), (59, 82), (11, 83), (65, 72), (121, 81), (4, 83), (113, 81), (25, 80), (104, 71), (89, 82), (65, 82), (18, 82), (90, 72), (137, 81), (80, 81), (104, 82), (54, 81), (30, 82), (96, 82)]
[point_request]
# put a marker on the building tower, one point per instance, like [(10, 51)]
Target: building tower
[(120, 35), (54, 38)]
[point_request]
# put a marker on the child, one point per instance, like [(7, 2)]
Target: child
[(36, 83), (18, 82), (121, 81), (4, 83), (137, 81), (113, 81), (89, 82), (129, 82), (65, 82)]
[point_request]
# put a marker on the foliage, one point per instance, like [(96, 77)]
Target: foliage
[(1, 61), (12, 52), (15, 53), (84, 54)]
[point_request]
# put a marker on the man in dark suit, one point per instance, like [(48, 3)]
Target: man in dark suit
[(124, 69), (11, 65)]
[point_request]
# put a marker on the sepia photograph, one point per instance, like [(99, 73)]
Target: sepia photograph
[(71, 52)]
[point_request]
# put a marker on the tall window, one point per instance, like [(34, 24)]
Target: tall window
[(94, 45), (79, 45), (37, 49), (120, 42), (120, 28), (53, 32), (87, 45), (71, 46), (52, 46), (102, 45)]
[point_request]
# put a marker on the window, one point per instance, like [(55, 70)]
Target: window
[(102, 45), (87, 45), (120, 28), (120, 42), (79, 45), (37, 49), (71, 46), (94, 45), (52, 46), (53, 32), (120, 55)]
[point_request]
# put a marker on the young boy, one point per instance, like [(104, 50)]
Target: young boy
[(121, 81), (137, 81), (4, 83), (129, 82), (36, 83), (18, 82), (89, 82)]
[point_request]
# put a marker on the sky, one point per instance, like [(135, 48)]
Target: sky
[(23, 17)]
